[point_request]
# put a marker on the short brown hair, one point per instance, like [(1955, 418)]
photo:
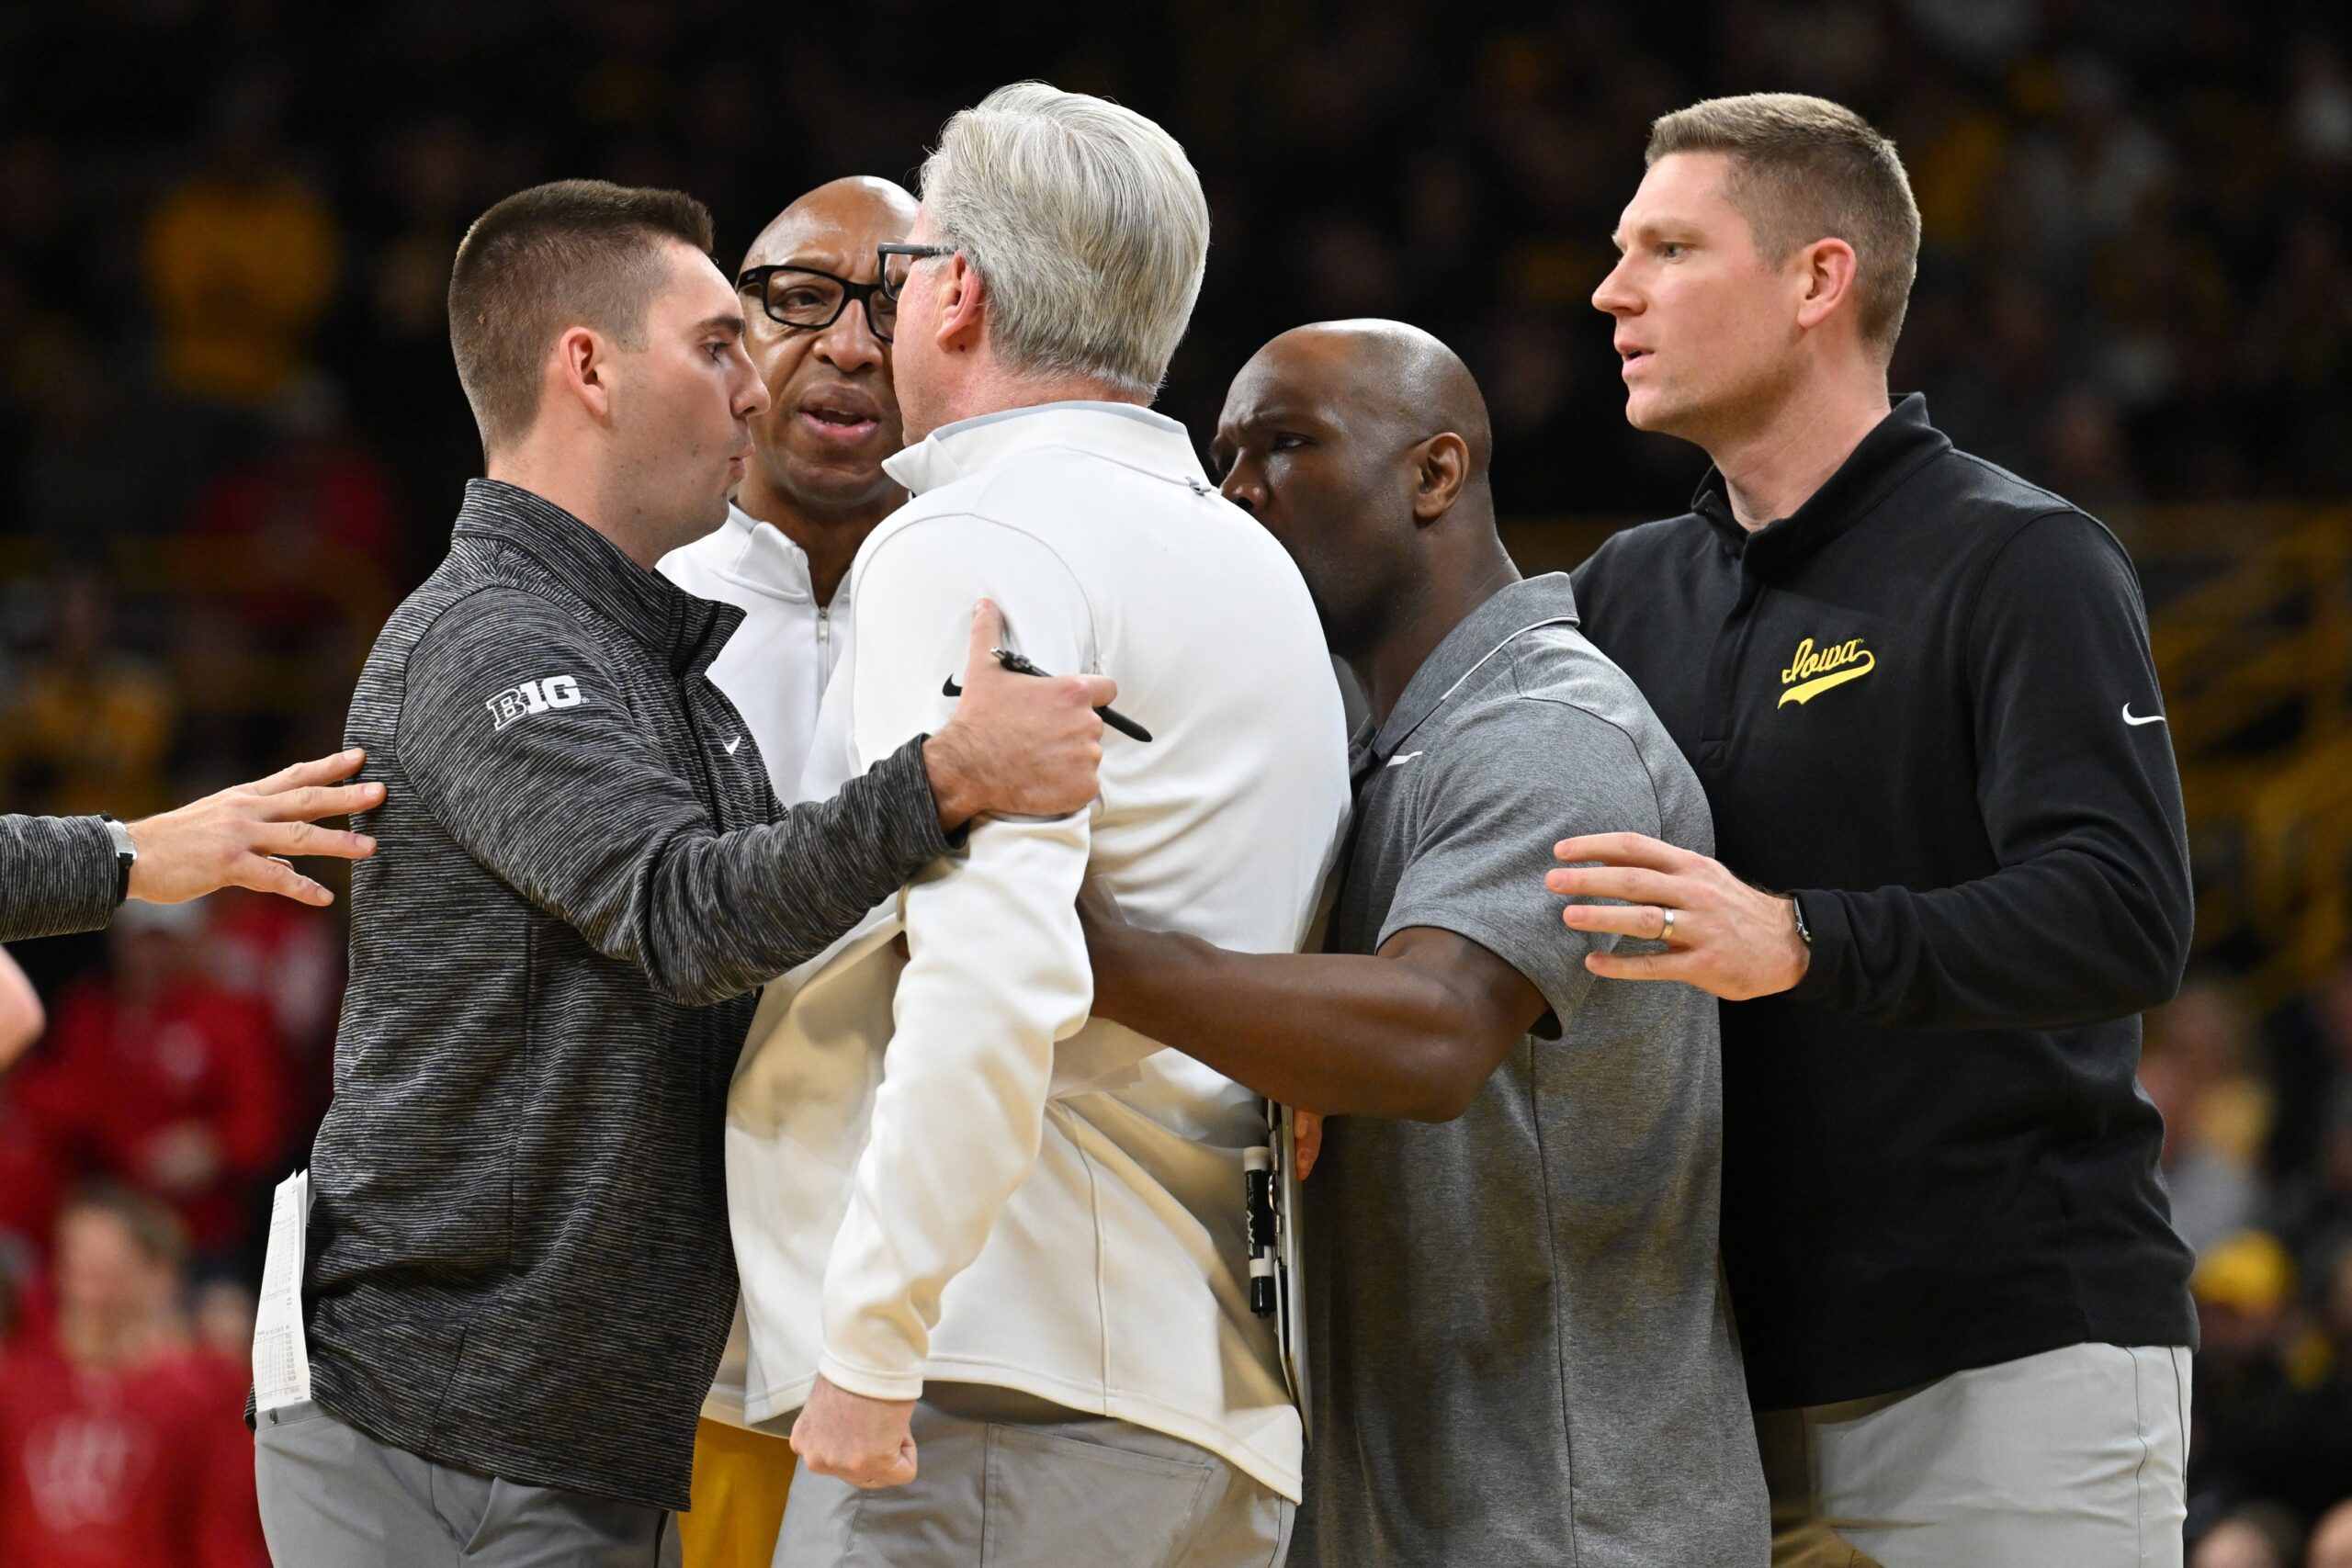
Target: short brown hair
[(1806, 169), (155, 1230), (576, 252)]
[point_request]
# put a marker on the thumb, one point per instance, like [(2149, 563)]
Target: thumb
[(1306, 1141), (987, 632), (1100, 691)]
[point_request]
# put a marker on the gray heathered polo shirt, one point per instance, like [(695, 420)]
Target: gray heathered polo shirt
[(1522, 1348)]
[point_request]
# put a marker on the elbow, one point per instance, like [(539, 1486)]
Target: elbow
[(1447, 1055), (693, 987), (2147, 922), (707, 995), (2157, 978), (2158, 963), (1440, 1106), (1443, 1084), (2132, 980)]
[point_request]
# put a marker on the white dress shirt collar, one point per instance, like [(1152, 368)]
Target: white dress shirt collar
[(1123, 433)]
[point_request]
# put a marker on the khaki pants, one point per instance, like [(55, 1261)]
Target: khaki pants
[(1802, 1538), (741, 1479), (2071, 1459)]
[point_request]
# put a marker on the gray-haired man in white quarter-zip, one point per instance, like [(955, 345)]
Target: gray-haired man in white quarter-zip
[(996, 1254)]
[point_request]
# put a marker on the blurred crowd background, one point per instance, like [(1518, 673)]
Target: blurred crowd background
[(230, 438)]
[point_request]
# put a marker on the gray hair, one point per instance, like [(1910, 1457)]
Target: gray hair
[(1086, 224)]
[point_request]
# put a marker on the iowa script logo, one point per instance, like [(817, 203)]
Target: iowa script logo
[(1816, 670), (533, 697)]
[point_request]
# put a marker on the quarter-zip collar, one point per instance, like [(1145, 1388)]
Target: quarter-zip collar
[(1891, 453), (686, 631), (1121, 433), (1479, 637), (766, 559)]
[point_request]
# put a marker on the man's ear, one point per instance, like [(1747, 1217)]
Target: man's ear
[(1440, 468), (1827, 272), (581, 369), (963, 307)]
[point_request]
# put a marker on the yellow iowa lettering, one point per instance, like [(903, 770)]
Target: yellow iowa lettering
[(1813, 671), (1809, 661)]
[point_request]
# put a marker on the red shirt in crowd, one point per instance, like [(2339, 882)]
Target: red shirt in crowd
[(314, 514), (125, 1080), (288, 958), (143, 1467), (34, 1171)]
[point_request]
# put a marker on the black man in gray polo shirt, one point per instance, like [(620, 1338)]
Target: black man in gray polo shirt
[(1517, 1334)]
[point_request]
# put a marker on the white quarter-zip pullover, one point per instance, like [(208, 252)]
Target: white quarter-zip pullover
[(938, 1166), (776, 666), (773, 669)]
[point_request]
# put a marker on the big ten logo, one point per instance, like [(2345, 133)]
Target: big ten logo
[(533, 697)]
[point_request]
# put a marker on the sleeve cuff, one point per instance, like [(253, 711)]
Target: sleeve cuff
[(1824, 978), (913, 809), (867, 1382), (70, 877), (57, 876)]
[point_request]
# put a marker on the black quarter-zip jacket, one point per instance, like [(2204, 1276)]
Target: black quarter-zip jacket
[(1925, 703)]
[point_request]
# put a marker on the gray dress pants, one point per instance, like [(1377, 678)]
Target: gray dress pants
[(333, 1497), (1006, 1480)]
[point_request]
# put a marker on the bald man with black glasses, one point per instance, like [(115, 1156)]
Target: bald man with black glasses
[(817, 330)]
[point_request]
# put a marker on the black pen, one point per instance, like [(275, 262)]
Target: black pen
[(1021, 666)]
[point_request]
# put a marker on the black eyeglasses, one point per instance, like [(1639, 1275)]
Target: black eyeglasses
[(898, 261), (811, 300)]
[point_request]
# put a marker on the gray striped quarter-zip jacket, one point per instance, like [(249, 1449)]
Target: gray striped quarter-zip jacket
[(519, 1260), (57, 874)]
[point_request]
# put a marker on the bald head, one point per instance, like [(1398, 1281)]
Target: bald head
[(832, 412), (852, 205), (1391, 373), (1363, 447)]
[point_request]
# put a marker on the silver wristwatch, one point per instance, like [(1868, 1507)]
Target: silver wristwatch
[(126, 855)]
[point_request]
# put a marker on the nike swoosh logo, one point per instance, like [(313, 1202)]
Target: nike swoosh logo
[(2152, 718), (1400, 762), (732, 744), (1804, 691)]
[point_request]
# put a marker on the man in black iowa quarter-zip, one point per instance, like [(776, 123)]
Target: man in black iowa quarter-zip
[(1918, 692)]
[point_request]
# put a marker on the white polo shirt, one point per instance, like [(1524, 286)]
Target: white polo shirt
[(773, 669), (776, 666)]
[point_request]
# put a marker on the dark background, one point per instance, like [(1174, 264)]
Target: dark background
[(230, 435)]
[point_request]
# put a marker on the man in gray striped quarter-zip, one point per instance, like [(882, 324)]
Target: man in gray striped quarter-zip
[(519, 1275)]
